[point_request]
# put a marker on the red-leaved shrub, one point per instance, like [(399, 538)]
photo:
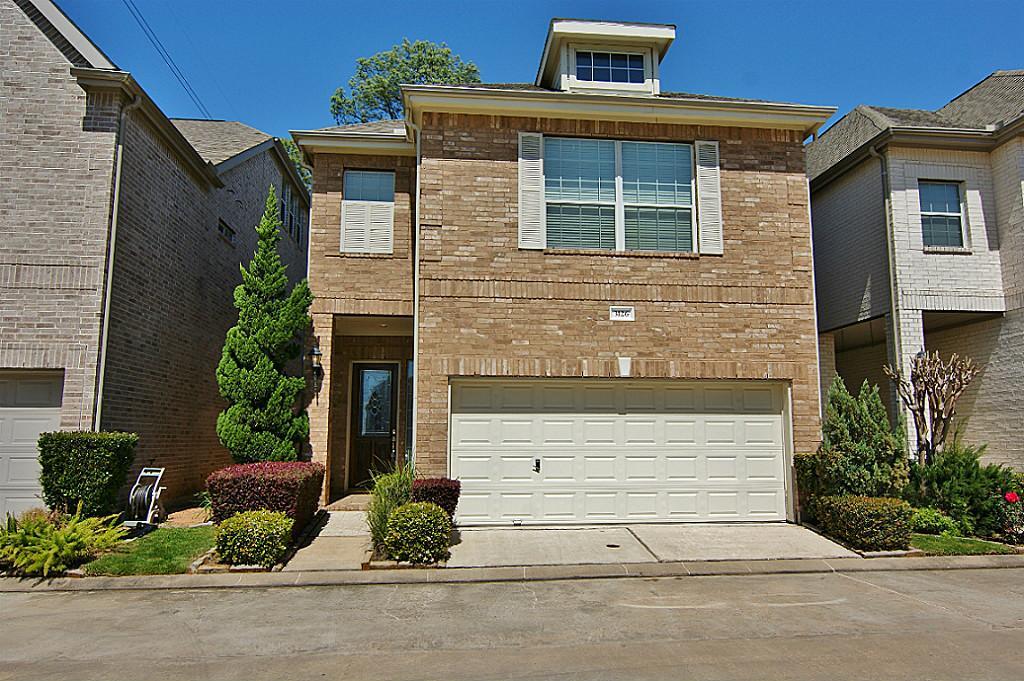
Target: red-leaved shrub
[(441, 491), (291, 487)]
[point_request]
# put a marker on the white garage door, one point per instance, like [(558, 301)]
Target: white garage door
[(587, 451), (29, 405)]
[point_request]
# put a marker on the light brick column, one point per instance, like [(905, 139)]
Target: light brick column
[(320, 403), (906, 341)]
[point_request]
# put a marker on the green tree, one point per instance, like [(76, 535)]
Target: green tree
[(262, 421), (861, 453), (295, 154), (373, 92)]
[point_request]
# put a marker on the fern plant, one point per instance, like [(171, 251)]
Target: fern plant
[(38, 544)]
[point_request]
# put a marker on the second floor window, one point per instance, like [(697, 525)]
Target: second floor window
[(608, 195), (609, 67), (368, 211), (941, 214)]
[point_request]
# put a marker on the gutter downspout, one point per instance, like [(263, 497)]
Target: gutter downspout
[(897, 340), (112, 238), (415, 301)]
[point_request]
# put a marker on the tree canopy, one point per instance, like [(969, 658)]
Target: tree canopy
[(295, 154), (373, 93)]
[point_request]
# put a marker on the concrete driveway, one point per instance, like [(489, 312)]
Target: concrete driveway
[(495, 547)]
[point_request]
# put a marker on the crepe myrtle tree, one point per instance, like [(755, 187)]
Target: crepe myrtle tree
[(263, 421), (930, 395)]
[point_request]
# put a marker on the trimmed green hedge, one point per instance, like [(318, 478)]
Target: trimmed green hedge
[(254, 538), (865, 523), (418, 532), (85, 467)]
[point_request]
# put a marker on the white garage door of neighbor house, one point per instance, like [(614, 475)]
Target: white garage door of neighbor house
[(29, 405), (548, 451)]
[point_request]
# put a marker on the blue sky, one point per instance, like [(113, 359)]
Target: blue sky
[(274, 65)]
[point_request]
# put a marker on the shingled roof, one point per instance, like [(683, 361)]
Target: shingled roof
[(372, 127), (992, 103), (217, 141)]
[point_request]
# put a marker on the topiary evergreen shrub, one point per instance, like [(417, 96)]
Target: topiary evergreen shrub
[(84, 467), (263, 421)]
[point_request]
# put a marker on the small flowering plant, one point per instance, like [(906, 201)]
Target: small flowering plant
[(1011, 512)]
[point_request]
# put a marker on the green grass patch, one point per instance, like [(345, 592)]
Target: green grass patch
[(166, 551), (937, 545)]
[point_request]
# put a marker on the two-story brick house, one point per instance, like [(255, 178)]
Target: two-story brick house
[(120, 241), (919, 245), (589, 299)]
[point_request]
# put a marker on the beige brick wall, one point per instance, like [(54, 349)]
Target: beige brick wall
[(56, 162), (171, 301), (360, 283), (488, 308)]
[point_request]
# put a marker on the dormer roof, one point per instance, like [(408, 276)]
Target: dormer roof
[(657, 37)]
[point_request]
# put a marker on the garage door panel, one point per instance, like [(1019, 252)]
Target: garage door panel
[(29, 405), (612, 450)]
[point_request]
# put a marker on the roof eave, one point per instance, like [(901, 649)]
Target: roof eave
[(280, 153), (455, 99), (341, 142), (965, 139), (104, 79)]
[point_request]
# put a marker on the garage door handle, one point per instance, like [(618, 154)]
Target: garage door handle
[(536, 465)]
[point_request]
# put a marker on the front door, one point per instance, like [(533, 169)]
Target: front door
[(373, 424)]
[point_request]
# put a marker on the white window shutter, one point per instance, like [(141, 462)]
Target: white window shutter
[(709, 199), (531, 191), (379, 234), (367, 226)]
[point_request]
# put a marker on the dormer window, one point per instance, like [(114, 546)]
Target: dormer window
[(609, 67)]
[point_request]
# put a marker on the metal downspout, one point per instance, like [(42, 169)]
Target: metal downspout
[(415, 302), (107, 284)]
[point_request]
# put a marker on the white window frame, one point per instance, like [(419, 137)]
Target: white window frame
[(620, 204), (649, 86), (370, 208), (964, 232)]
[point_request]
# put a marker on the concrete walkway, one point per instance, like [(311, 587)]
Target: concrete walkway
[(692, 542), (342, 544)]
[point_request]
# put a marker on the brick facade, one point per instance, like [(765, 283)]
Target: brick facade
[(488, 308), (56, 174), (173, 274)]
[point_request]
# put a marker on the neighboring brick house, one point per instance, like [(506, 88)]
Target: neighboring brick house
[(122, 234), (593, 302), (919, 244)]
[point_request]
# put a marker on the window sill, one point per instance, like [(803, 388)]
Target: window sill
[(371, 256), (622, 254), (948, 250)]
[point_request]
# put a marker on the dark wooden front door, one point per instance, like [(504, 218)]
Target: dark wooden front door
[(373, 425)]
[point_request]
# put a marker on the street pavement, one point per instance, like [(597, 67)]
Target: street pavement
[(936, 625)]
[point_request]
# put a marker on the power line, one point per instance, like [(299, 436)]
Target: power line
[(166, 56)]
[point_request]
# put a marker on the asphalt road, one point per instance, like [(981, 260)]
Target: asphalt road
[(957, 625)]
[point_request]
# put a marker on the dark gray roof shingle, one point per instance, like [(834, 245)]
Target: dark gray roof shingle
[(996, 100), (217, 141)]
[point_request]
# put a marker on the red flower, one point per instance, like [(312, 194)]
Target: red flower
[(1011, 497)]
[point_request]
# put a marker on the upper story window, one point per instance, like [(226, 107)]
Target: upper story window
[(226, 232), (368, 211), (941, 214), (609, 195), (609, 67)]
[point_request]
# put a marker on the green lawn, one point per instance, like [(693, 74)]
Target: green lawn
[(166, 551), (937, 545)]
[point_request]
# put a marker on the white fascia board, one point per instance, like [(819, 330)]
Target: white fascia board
[(614, 107), (74, 35), (368, 143)]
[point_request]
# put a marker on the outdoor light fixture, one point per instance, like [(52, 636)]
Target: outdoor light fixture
[(314, 361)]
